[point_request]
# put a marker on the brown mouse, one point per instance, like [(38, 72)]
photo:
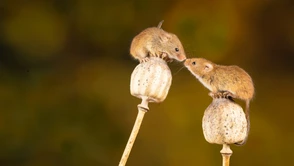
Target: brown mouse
[(226, 81), (156, 42)]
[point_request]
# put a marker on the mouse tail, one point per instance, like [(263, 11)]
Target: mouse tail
[(248, 123), (160, 24)]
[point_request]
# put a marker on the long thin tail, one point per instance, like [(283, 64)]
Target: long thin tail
[(248, 123)]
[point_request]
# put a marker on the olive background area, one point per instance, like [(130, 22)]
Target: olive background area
[(65, 74)]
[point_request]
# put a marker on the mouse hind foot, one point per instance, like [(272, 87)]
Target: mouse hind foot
[(221, 94), (146, 59)]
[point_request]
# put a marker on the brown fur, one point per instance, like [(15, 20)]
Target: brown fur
[(155, 41), (224, 79)]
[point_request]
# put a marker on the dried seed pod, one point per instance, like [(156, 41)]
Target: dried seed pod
[(151, 79), (224, 122)]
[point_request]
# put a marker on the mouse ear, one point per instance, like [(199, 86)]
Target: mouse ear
[(208, 67), (165, 37)]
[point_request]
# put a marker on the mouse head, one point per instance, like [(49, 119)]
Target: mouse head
[(173, 47), (199, 67)]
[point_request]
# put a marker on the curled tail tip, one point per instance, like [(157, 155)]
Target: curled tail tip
[(241, 143)]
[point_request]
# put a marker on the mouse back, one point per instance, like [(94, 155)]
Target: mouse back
[(144, 41), (241, 82)]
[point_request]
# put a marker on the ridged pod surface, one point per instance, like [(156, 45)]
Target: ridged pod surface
[(151, 79), (224, 122)]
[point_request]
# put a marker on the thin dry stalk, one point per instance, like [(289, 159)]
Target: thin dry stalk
[(226, 153), (142, 109)]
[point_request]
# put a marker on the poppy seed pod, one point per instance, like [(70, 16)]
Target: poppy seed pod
[(151, 79), (224, 122)]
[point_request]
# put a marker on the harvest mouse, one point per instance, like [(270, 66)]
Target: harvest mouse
[(156, 42), (226, 81)]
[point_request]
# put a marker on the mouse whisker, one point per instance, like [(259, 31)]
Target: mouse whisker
[(178, 71)]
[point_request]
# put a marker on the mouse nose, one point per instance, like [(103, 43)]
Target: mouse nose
[(181, 58), (186, 62)]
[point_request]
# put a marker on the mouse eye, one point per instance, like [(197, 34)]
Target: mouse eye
[(177, 49), (194, 63)]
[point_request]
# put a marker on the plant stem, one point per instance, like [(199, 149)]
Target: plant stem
[(142, 109), (226, 153)]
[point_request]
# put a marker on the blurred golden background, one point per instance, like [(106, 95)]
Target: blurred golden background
[(65, 71)]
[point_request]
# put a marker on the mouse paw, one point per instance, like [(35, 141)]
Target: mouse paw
[(160, 55), (215, 95), (227, 95), (155, 55), (146, 59), (222, 94), (165, 57)]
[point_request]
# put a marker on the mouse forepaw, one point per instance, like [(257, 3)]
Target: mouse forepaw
[(165, 57), (146, 59), (161, 55)]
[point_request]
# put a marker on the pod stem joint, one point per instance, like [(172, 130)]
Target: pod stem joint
[(226, 153)]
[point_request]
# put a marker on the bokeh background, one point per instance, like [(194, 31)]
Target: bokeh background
[(65, 72)]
